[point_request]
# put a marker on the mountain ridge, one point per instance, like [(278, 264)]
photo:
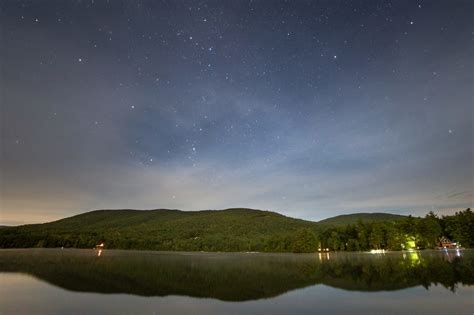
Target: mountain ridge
[(352, 218), (233, 229), (365, 216)]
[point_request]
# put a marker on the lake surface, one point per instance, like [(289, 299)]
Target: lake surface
[(55, 281)]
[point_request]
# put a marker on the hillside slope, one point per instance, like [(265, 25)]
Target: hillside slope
[(235, 229), (345, 219), (223, 230)]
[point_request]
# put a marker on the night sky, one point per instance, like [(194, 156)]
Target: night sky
[(308, 108)]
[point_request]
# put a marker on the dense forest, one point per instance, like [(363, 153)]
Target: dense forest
[(401, 234), (240, 230)]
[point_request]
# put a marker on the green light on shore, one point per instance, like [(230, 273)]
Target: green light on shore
[(409, 242)]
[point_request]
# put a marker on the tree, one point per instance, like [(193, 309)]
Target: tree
[(305, 241), (460, 227), (376, 237), (429, 230)]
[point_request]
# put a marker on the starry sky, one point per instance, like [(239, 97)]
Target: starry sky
[(308, 108)]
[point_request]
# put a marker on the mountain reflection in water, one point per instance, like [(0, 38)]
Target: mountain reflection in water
[(237, 276)]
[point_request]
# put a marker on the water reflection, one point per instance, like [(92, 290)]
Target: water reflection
[(238, 276)]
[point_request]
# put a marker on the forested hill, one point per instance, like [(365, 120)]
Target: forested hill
[(236, 221), (239, 218), (222, 230), (345, 219), (238, 230)]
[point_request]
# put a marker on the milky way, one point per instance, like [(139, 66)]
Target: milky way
[(311, 109)]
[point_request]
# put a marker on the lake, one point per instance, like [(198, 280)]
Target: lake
[(87, 281)]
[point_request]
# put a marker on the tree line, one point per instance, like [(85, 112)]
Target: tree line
[(407, 233), (270, 236)]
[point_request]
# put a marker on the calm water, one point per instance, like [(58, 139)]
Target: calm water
[(54, 281)]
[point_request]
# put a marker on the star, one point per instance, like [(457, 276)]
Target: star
[(275, 98)]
